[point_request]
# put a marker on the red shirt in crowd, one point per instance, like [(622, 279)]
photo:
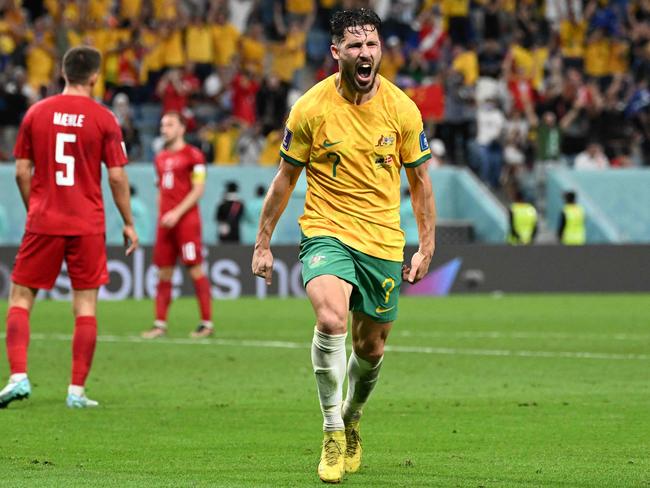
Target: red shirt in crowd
[(67, 137), (244, 90)]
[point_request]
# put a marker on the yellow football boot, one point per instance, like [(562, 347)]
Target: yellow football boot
[(352, 447), (332, 459)]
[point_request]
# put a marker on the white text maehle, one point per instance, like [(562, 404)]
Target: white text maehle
[(69, 120)]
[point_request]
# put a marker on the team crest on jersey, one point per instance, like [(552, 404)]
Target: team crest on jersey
[(388, 140), (317, 261), (424, 144), (286, 141)]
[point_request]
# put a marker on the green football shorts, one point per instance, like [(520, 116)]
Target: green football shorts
[(376, 281)]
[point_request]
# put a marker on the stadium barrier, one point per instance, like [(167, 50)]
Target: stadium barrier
[(455, 269)]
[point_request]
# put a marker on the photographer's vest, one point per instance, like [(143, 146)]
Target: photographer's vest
[(524, 219), (574, 225)]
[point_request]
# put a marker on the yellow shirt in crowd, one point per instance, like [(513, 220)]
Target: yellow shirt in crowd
[(40, 62), (467, 64), (171, 49), (130, 9), (353, 155), (164, 9), (597, 58), (198, 44), (252, 53), (572, 38), (225, 38), (299, 7), (455, 8)]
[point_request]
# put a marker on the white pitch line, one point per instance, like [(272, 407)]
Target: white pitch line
[(523, 335), (400, 349)]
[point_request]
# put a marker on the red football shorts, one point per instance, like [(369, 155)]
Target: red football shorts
[(184, 240), (40, 256)]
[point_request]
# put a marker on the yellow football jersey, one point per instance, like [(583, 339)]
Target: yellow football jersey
[(353, 155)]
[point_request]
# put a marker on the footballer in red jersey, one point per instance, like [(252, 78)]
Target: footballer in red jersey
[(61, 143), (180, 176)]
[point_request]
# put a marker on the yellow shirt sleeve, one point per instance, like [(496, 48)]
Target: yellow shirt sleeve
[(414, 149), (296, 143)]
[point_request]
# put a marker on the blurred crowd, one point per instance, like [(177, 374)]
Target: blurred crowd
[(506, 87)]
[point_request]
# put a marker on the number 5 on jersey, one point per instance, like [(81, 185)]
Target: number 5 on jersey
[(64, 177)]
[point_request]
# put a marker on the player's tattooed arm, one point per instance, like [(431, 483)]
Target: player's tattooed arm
[(24, 179), (424, 209)]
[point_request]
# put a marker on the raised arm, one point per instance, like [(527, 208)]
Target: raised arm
[(424, 209), (119, 183), (275, 202)]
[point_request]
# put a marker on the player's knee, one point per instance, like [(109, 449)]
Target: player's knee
[(332, 321), (372, 350), (21, 296), (165, 274)]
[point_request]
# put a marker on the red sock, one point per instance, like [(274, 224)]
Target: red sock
[(83, 348), (202, 288), (163, 299), (17, 339)]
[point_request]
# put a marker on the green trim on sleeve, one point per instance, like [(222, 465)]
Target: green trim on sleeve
[(291, 160), (418, 162)]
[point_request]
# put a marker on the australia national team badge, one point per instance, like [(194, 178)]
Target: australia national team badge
[(286, 141), (388, 140), (424, 144)]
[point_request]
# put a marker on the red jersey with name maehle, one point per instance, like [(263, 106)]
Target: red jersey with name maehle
[(67, 137), (174, 171)]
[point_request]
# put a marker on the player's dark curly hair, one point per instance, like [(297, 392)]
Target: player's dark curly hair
[(349, 20)]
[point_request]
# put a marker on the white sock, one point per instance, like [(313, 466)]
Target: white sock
[(362, 378), (161, 324), (76, 390), (207, 323), (328, 360), (16, 377)]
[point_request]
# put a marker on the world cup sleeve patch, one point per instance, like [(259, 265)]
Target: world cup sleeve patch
[(424, 144), (286, 141)]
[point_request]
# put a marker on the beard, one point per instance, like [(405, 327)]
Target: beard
[(358, 84)]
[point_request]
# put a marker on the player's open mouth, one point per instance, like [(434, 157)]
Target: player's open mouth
[(364, 73)]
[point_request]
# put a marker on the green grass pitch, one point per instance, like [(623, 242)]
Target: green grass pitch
[(477, 391)]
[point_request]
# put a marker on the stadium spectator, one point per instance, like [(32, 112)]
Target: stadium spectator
[(180, 174), (271, 103), (592, 157), (199, 46), (225, 37), (392, 60), (59, 150), (571, 229), (490, 125), (244, 91), (175, 89), (229, 214), (130, 133)]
